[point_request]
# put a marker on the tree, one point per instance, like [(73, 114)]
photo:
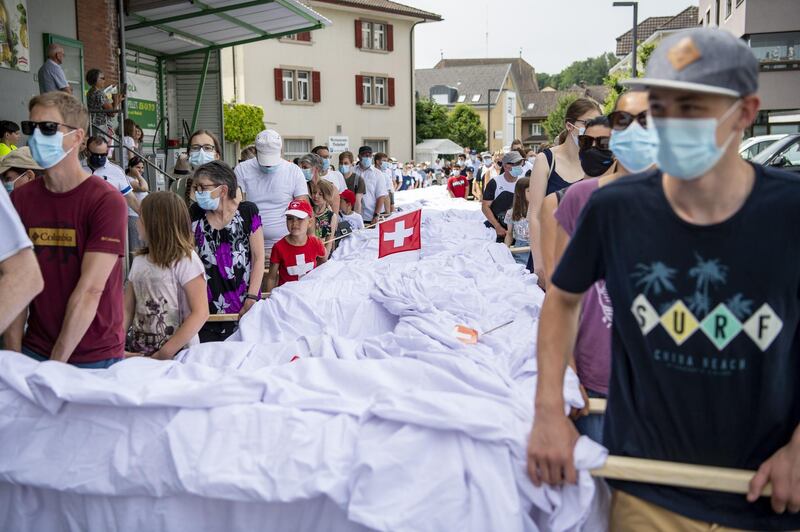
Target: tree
[(465, 127), (612, 81), (554, 123), (591, 71), (431, 120), (243, 122)]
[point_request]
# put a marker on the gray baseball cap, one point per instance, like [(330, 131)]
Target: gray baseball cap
[(512, 157), (706, 60)]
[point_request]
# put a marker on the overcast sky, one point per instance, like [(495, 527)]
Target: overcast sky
[(551, 33)]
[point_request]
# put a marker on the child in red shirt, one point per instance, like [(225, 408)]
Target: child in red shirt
[(296, 254), (457, 185)]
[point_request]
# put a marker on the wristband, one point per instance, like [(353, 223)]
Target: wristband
[(254, 298)]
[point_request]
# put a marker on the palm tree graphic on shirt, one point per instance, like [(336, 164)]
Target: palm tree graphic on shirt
[(739, 306), (707, 274), (654, 278)]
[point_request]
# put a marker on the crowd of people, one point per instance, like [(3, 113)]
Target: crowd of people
[(667, 261)]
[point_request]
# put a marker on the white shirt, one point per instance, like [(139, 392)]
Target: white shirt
[(336, 177), (527, 165), (354, 219), (272, 193), (139, 197), (114, 175), (13, 237), (389, 181), (375, 183)]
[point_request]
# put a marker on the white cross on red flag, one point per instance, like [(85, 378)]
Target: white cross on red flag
[(402, 233)]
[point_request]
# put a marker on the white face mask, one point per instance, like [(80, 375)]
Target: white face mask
[(581, 131)]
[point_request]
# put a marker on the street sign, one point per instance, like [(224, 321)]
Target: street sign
[(338, 144)]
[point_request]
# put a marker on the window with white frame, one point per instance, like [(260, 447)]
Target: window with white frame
[(377, 145), (288, 85), (476, 98), (366, 34), (296, 147), (380, 91), (296, 85), (303, 86), (366, 86), (536, 130), (462, 98), (373, 35)]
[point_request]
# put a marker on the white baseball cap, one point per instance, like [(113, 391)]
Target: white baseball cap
[(268, 147)]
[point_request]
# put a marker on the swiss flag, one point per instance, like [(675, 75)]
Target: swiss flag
[(402, 233)]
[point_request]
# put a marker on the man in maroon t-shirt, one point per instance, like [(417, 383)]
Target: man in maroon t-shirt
[(457, 185), (77, 224)]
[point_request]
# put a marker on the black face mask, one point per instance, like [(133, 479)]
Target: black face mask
[(97, 160), (595, 161)]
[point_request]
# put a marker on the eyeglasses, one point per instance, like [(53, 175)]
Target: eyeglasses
[(208, 148), (47, 128), (205, 188), (622, 119), (585, 142)]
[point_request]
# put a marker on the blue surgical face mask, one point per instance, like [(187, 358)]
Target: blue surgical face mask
[(516, 171), (205, 201), (268, 169), (384, 165), (199, 158), (688, 146), (48, 150), (326, 164), (581, 131), (307, 173), (635, 147), (366, 162), (344, 168), (9, 186)]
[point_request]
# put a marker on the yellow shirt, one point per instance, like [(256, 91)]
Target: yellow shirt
[(5, 149)]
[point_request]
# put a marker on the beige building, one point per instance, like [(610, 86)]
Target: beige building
[(499, 90), (772, 29), (345, 86)]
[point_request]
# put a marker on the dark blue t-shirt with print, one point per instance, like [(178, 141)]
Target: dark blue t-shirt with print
[(705, 366)]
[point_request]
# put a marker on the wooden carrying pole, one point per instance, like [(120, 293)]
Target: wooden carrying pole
[(676, 474), (223, 317), (515, 251)]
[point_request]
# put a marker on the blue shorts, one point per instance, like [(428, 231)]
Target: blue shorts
[(100, 364)]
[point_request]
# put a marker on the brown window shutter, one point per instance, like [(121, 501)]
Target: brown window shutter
[(279, 84), (390, 38), (358, 33), (304, 36), (359, 90), (315, 87), (390, 82)]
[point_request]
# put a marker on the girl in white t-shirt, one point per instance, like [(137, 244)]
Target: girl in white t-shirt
[(516, 220), (165, 298)]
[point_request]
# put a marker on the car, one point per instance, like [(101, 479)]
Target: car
[(755, 145), (783, 154)]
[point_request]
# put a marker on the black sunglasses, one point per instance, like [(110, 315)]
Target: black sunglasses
[(622, 119), (585, 142), (47, 128)]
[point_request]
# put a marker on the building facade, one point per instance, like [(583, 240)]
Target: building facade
[(348, 85), (772, 29)]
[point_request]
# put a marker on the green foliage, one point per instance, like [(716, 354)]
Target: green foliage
[(554, 123), (592, 71), (243, 122), (643, 53), (465, 129), (431, 120)]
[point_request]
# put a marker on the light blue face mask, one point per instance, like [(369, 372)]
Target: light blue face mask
[(688, 147), (344, 168), (366, 162), (205, 201), (48, 150), (634, 147), (307, 173), (9, 186), (385, 165), (268, 169), (199, 158), (326, 164), (516, 171)]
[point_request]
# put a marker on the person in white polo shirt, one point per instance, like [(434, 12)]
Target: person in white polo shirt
[(271, 183), (98, 164), (372, 204), (328, 173)]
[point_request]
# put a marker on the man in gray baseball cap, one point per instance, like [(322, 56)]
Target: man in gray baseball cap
[(498, 196), (696, 377)]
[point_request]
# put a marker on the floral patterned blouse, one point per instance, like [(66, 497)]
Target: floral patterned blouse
[(226, 256)]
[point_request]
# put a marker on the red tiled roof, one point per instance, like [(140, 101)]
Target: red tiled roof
[(386, 6)]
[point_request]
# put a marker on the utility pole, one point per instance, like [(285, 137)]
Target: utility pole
[(635, 6)]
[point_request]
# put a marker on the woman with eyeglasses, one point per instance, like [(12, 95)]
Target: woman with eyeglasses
[(230, 243), (634, 145), (203, 147), (98, 103), (557, 168)]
